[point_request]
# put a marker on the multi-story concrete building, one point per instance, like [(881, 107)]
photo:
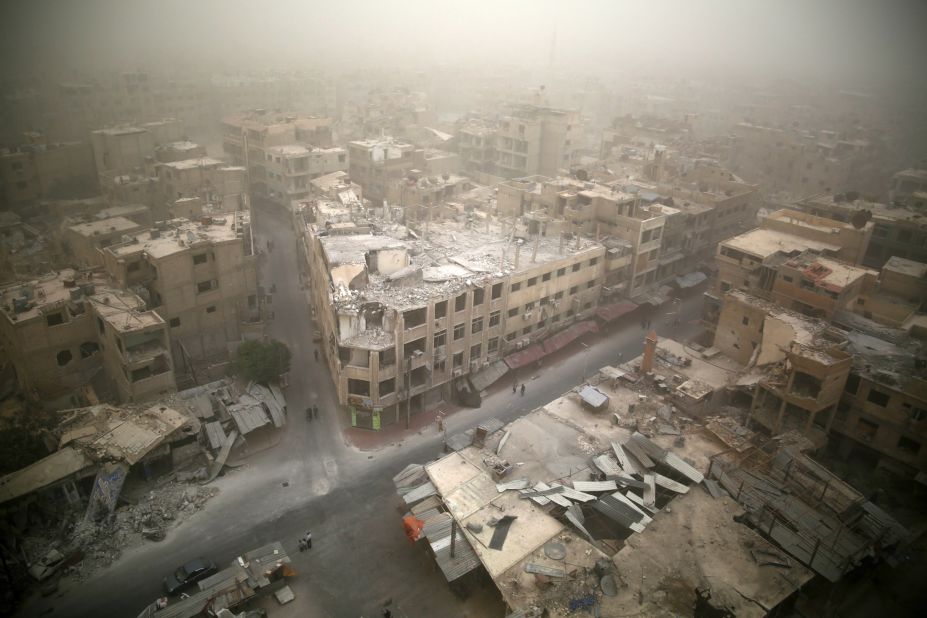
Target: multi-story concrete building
[(909, 188), (416, 193), (404, 323), (125, 149), (336, 186), (800, 364), (247, 136), (200, 277), (85, 240), (898, 231), (179, 151), (220, 187), (39, 171), (528, 141), (60, 331), (375, 164), (290, 168)]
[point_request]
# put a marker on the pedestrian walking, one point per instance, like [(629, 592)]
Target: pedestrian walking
[(308, 540), (302, 545), (514, 388), (522, 390)]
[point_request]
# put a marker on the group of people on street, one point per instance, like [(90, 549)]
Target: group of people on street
[(305, 543), (312, 412), (515, 389)]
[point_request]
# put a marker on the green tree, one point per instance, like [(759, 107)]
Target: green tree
[(261, 361)]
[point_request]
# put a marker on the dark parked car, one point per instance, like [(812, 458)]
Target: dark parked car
[(189, 574)]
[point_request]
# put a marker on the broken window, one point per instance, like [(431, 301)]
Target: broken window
[(206, 286), (576, 267), (912, 447), (877, 397), (561, 272), (200, 259), (478, 294), (476, 351), (418, 377), (458, 360), (440, 309), (496, 291), (64, 357), (516, 286), (495, 318), (440, 338), (866, 429), (476, 325), (513, 312), (415, 317), (358, 387), (852, 384), (387, 387), (545, 277), (806, 385), (493, 345), (414, 348), (54, 319), (174, 322), (387, 357), (532, 281), (88, 349), (133, 266), (460, 303), (459, 330)]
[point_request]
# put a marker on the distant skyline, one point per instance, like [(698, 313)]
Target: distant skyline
[(857, 42)]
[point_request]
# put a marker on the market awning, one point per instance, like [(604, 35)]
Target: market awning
[(531, 354), (690, 280), (615, 310), (569, 335), (488, 375)]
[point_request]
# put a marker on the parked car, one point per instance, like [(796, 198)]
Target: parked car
[(188, 574)]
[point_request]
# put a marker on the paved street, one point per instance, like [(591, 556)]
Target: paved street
[(360, 556)]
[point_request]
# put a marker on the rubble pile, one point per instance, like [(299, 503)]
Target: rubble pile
[(90, 546)]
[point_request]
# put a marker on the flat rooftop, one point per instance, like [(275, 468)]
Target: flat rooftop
[(907, 267), (764, 243), (182, 234), (289, 150), (879, 210), (181, 146), (189, 164), (827, 273), (124, 311), (452, 257), (112, 225)]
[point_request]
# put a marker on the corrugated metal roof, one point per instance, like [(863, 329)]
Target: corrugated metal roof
[(215, 434), (57, 466), (438, 534), (488, 375), (592, 396), (248, 414)]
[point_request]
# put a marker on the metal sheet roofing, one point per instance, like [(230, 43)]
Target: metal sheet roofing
[(438, 533)]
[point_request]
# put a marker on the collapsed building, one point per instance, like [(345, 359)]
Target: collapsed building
[(640, 504), (411, 316), (73, 337)]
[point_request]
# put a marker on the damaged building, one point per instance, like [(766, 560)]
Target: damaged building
[(603, 508), (409, 317), (73, 337)]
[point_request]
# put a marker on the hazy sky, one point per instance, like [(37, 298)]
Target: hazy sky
[(848, 38)]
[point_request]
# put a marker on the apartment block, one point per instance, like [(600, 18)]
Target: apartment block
[(247, 136), (898, 231), (375, 164), (336, 186), (290, 169), (406, 323), (61, 330), (909, 188), (529, 140), (221, 188), (84, 241), (417, 193), (124, 149), (200, 277), (179, 151), (46, 170), (800, 364)]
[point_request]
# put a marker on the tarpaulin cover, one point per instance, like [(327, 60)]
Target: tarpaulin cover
[(413, 527), (531, 354), (568, 335), (615, 310)]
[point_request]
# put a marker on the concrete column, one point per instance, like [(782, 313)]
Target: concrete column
[(830, 417), (753, 404), (781, 414)]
